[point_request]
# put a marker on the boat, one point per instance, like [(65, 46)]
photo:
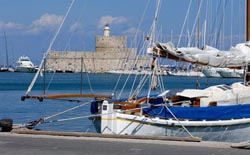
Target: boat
[(211, 72), (213, 113), (231, 73), (185, 73), (134, 72), (6, 67), (24, 64), (219, 113), (223, 72)]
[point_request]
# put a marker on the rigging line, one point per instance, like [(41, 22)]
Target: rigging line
[(116, 85), (124, 86), (134, 93), (87, 74), (185, 20), (140, 85), (94, 115), (136, 34), (206, 21), (212, 38), (60, 113), (178, 121), (196, 19), (67, 46), (131, 90), (140, 23), (49, 48), (221, 25)]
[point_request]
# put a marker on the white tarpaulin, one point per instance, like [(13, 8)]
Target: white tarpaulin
[(237, 56)]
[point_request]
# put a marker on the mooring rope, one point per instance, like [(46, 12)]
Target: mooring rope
[(32, 124)]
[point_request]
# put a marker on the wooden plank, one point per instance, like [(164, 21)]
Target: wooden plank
[(61, 96), (78, 134)]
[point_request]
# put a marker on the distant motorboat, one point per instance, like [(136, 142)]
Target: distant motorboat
[(24, 64), (211, 72), (185, 73), (136, 72), (231, 73)]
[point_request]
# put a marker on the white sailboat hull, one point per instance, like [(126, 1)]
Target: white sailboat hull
[(115, 122)]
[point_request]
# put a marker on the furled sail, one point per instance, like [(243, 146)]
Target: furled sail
[(236, 57)]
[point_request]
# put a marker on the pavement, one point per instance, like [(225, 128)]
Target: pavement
[(31, 144)]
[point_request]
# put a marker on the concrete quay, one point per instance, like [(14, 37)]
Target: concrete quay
[(35, 144)]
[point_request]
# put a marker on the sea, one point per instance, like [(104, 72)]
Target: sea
[(14, 85)]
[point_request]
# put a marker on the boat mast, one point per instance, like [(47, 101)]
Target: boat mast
[(248, 20), (154, 64), (48, 50), (6, 50), (247, 71)]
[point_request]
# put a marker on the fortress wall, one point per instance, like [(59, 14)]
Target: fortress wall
[(111, 54), (89, 61)]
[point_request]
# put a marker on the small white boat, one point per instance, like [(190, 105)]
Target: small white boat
[(185, 73), (24, 64), (135, 72), (211, 72), (231, 73)]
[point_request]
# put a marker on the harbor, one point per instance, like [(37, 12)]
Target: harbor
[(31, 110), (145, 95)]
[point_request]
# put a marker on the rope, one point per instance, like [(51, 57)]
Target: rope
[(140, 85), (32, 124), (179, 121), (60, 113), (82, 117)]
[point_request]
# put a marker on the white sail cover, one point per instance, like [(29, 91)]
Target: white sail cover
[(236, 57)]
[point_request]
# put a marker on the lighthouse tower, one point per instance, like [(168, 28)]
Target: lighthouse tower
[(106, 31), (107, 43)]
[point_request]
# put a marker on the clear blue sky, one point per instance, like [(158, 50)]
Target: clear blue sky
[(31, 24)]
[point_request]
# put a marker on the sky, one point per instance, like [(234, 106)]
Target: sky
[(30, 25)]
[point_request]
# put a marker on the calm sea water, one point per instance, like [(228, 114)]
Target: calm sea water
[(14, 85)]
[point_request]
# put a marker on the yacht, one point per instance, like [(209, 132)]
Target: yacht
[(24, 64)]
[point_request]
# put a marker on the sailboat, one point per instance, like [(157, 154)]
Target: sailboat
[(6, 68), (220, 112)]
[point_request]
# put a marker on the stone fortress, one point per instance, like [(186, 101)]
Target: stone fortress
[(111, 54)]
